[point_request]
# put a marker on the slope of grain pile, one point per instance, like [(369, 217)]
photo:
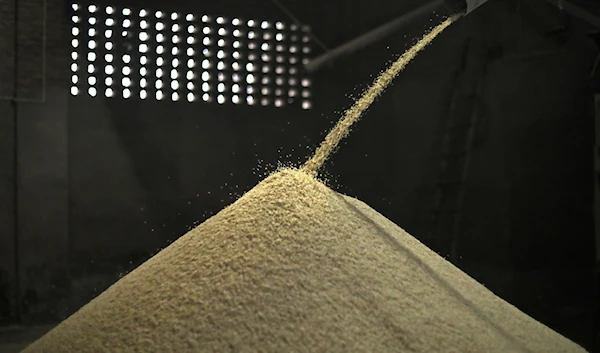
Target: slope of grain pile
[(293, 266)]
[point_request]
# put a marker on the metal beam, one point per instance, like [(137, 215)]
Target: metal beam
[(373, 36)]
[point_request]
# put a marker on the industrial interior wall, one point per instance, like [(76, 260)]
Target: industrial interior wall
[(141, 173)]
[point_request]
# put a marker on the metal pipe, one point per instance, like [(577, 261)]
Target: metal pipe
[(372, 36), (577, 12)]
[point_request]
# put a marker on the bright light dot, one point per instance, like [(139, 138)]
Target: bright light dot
[(126, 12), (143, 71), (237, 33), (160, 49), (192, 29), (74, 79), (175, 96), (159, 95), (175, 39), (265, 101), (205, 87), (221, 76), (250, 79), (92, 8), (189, 17), (267, 36), (143, 60), (221, 87), (126, 93), (278, 92), (293, 49), (235, 22), (175, 63), (143, 82), (235, 88), (91, 68), (292, 93), (251, 23), (306, 50), (75, 7), (293, 81), (220, 99), (278, 103), (235, 99), (190, 52), (206, 52), (110, 10), (190, 97), (160, 26), (74, 91), (174, 85), (205, 76), (265, 57), (265, 46), (190, 86), (160, 37), (143, 24), (143, 13), (92, 44), (205, 64), (206, 97), (305, 39), (126, 82), (306, 105), (251, 35), (221, 43), (109, 22), (108, 33), (144, 36), (159, 72), (75, 31), (126, 23), (92, 80), (220, 65), (279, 81), (222, 31), (306, 93), (252, 45), (279, 59), (236, 66), (91, 56), (236, 55), (160, 61), (265, 80), (279, 37), (126, 70), (250, 100), (206, 30), (109, 70), (220, 20), (191, 40), (159, 14), (109, 92), (250, 67), (265, 91), (158, 84), (266, 69), (305, 82), (279, 70), (143, 48), (174, 74), (108, 81), (190, 75), (206, 41), (279, 25), (190, 63), (174, 16), (126, 58), (92, 91), (75, 19), (236, 78), (143, 94), (265, 25), (280, 48), (221, 54), (175, 51), (108, 45)]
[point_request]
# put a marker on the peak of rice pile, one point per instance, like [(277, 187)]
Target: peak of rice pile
[(293, 266)]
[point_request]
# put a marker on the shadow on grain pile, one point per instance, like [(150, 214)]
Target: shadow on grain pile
[(293, 266)]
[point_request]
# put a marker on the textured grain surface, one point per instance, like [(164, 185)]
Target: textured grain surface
[(293, 266)]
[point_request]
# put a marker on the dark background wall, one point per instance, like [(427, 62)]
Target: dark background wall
[(91, 187)]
